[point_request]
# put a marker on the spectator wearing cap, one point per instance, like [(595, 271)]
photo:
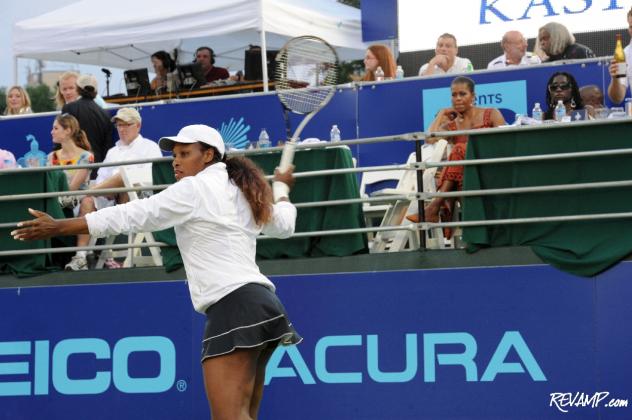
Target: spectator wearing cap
[(130, 146), (206, 58), (558, 43), (514, 45), (92, 118)]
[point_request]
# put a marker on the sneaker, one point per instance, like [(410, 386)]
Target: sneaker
[(112, 264), (77, 263)]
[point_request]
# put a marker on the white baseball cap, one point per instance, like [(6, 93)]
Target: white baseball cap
[(193, 134)]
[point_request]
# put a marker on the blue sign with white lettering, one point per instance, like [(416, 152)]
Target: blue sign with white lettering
[(527, 342)]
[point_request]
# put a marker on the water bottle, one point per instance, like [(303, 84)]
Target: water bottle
[(399, 73), (536, 114), (334, 134), (379, 74), (560, 111), (264, 139)]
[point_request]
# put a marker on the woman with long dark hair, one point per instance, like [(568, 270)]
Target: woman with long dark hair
[(563, 87), (163, 65), (218, 207)]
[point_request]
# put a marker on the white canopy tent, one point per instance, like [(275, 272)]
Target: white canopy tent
[(123, 33)]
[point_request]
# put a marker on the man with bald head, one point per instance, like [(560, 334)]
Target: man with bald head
[(591, 95), (514, 45)]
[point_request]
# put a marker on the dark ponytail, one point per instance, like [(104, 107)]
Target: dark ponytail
[(251, 180)]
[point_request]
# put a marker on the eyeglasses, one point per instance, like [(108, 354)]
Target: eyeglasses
[(564, 86), (123, 125)]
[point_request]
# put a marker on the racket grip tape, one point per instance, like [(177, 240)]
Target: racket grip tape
[(287, 157)]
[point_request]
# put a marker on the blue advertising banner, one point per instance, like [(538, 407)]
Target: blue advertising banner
[(511, 342), (363, 110), (379, 20)]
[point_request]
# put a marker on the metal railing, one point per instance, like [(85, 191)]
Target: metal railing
[(410, 196)]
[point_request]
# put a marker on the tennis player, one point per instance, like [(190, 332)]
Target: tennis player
[(218, 206)]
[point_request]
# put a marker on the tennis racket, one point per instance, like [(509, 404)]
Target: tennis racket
[(305, 79)]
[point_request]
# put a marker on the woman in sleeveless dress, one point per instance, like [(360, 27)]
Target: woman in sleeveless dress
[(74, 150), (463, 115)]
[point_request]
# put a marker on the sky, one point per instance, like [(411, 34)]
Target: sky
[(15, 11)]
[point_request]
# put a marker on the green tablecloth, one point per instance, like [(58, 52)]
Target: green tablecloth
[(18, 182), (581, 248), (310, 219)]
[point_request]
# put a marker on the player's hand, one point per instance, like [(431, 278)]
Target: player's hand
[(42, 227), (286, 177)]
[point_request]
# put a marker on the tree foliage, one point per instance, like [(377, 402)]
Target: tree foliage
[(41, 98), (3, 100), (353, 3)]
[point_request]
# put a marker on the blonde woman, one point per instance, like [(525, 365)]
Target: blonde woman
[(66, 89), (18, 101)]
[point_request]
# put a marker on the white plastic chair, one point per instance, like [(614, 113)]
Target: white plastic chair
[(400, 240), (375, 211), (434, 237), (133, 176), (393, 241)]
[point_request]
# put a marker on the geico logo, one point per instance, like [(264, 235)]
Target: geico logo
[(56, 368), (328, 351)]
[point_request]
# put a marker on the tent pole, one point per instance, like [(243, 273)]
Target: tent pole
[(264, 59)]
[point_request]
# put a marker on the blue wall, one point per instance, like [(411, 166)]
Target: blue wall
[(364, 110), (450, 343)]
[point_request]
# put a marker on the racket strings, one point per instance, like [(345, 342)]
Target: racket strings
[(307, 70)]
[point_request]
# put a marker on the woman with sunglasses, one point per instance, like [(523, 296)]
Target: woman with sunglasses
[(563, 87)]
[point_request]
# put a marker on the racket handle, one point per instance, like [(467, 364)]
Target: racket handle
[(287, 157)]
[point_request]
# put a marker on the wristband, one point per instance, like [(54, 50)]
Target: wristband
[(280, 190)]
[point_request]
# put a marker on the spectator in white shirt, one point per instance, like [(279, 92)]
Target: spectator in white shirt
[(218, 207), (445, 60), (619, 85), (514, 46), (131, 146)]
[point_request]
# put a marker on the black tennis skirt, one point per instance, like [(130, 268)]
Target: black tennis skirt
[(245, 318)]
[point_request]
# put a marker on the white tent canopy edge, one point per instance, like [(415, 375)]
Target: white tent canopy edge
[(124, 34)]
